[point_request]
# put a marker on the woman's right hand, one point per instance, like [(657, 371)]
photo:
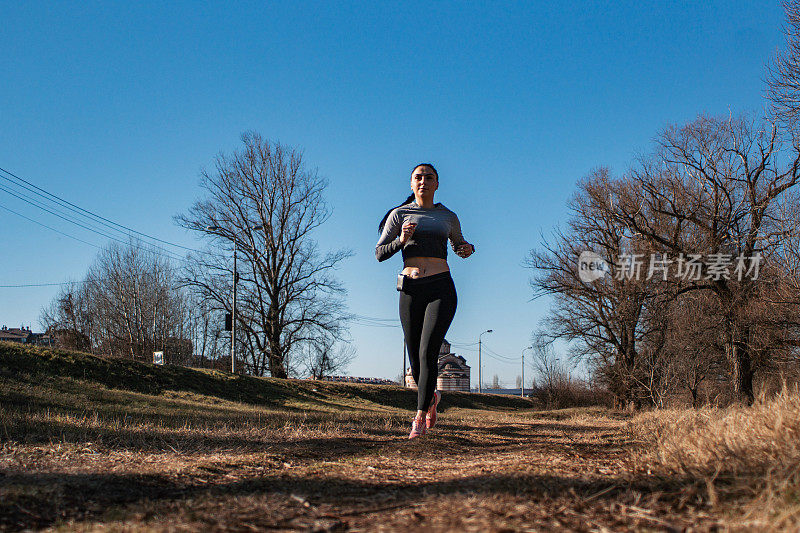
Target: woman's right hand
[(407, 231)]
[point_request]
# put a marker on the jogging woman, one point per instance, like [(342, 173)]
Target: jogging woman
[(420, 228)]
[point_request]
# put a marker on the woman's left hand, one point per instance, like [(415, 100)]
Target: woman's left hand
[(465, 250)]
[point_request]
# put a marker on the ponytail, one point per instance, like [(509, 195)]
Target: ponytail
[(383, 220)]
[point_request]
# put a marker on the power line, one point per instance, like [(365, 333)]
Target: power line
[(475, 350), (375, 322), (55, 209), (59, 215), (492, 352), (34, 285), (87, 215), (35, 203), (48, 227), (374, 325), (463, 344), (377, 319), (502, 360), (86, 212), (61, 283), (50, 204)]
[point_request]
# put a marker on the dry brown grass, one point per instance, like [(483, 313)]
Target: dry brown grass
[(85, 454), (744, 462), (480, 471)]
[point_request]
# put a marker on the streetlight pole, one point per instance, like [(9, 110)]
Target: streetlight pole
[(522, 388), (217, 229), (233, 310), (480, 364), (403, 379)]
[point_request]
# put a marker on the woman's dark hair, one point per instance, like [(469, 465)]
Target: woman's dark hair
[(410, 196)]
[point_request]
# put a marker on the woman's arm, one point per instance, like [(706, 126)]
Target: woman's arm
[(457, 241), (390, 242)]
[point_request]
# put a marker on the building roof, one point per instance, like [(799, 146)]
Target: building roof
[(14, 334)]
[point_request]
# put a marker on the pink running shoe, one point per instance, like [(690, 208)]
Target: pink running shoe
[(417, 428), (430, 419)]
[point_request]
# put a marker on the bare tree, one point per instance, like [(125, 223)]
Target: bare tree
[(784, 74), (550, 370), (207, 332), (325, 357), (127, 305), (287, 293), (695, 342), (552, 378), (68, 318), (710, 192), (136, 303), (652, 373), (602, 317)]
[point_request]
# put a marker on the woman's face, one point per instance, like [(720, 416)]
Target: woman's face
[(424, 181)]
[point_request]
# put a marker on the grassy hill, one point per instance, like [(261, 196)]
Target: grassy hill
[(62, 370)]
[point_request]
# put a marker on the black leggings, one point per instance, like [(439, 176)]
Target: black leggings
[(427, 308)]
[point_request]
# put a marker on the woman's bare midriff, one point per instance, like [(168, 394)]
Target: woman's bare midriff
[(419, 267)]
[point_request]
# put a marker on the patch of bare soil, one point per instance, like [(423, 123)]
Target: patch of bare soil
[(477, 471)]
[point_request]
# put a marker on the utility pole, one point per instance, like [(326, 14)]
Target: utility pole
[(233, 311), (522, 388), (480, 363), (232, 236), (403, 379)]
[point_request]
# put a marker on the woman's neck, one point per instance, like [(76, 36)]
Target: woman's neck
[(426, 203)]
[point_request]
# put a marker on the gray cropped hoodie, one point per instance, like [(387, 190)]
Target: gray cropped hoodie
[(435, 225)]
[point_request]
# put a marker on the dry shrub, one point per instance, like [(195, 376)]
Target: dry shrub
[(747, 459), (570, 392)]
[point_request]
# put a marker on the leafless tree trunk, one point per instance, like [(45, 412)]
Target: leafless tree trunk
[(695, 343), (287, 293)]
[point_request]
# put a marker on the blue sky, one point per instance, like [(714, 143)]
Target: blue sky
[(117, 107)]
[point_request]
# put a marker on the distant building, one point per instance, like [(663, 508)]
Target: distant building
[(353, 379), (19, 335), (454, 371), (24, 335)]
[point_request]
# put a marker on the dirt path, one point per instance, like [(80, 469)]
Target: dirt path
[(476, 472)]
